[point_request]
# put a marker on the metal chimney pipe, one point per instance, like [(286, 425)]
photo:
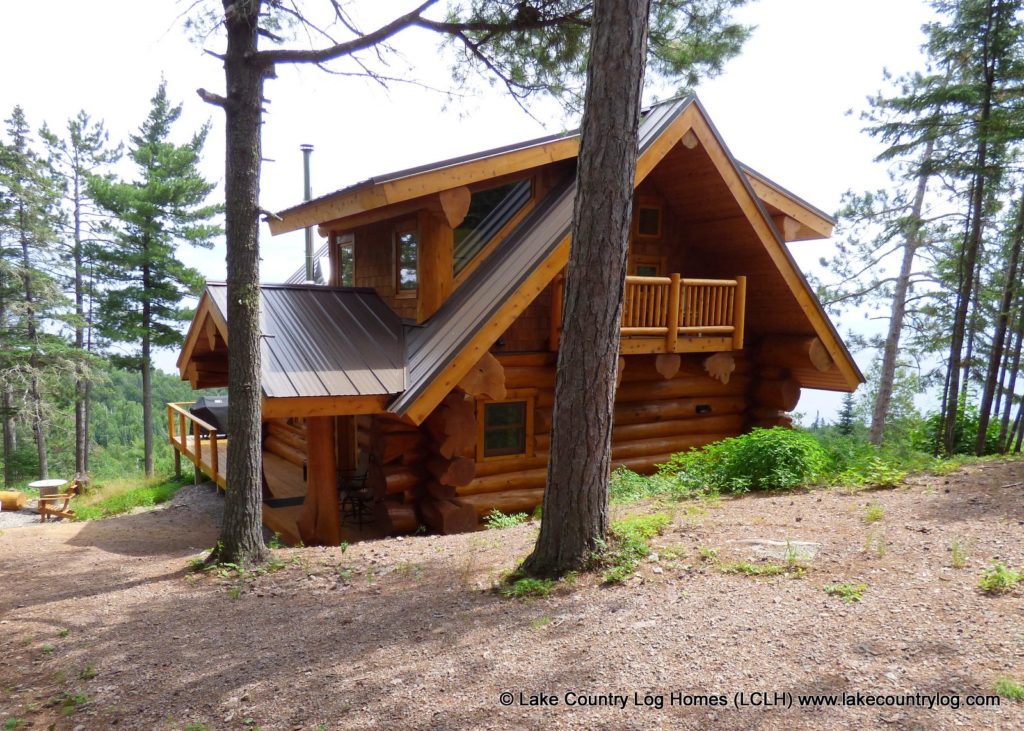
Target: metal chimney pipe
[(307, 195)]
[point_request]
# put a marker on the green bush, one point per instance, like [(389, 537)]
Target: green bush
[(497, 520), (926, 438), (627, 486), (764, 459)]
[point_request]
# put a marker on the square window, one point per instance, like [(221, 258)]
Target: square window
[(505, 427), (649, 221)]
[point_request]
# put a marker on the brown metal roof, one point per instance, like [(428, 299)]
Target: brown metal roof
[(322, 341), (435, 343)]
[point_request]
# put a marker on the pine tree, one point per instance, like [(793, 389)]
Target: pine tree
[(847, 416), (145, 283), (84, 152), (29, 296)]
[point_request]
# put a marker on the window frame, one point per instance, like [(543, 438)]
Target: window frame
[(401, 228), (524, 395), (653, 203), (639, 260)]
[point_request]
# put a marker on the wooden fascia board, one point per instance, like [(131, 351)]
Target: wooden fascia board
[(303, 406), (206, 310), (482, 341), (661, 146), (738, 185), (814, 226), (426, 183)]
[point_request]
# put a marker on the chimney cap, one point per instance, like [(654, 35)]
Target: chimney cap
[(306, 147)]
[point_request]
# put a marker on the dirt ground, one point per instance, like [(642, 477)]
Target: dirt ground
[(102, 625)]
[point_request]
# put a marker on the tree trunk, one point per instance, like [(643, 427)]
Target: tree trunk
[(1009, 295), (1013, 367), (147, 370), (241, 536), (972, 247), (31, 331), (883, 398), (81, 390), (575, 521)]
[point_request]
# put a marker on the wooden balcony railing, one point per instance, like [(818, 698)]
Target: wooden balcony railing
[(673, 307), (196, 439)]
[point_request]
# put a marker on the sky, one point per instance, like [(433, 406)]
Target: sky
[(783, 106)]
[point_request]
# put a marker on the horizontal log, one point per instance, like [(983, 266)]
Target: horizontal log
[(526, 359), (390, 447), (277, 427), (717, 424), (782, 394), (456, 471), (512, 501), (644, 367), (447, 517), (685, 387), (285, 451), (438, 491), (395, 518), (415, 456), (665, 445), (795, 351), (638, 412)]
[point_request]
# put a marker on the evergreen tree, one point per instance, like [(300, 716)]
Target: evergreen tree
[(144, 282), (847, 417), (85, 151), (29, 296)]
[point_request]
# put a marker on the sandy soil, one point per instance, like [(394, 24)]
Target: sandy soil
[(103, 622)]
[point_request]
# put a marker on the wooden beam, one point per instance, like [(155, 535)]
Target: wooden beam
[(320, 524), (689, 140), (430, 182), (455, 204), (435, 264), (306, 406), (815, 225), (788, 226)]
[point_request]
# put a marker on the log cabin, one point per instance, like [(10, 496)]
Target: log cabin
[(426, 365)]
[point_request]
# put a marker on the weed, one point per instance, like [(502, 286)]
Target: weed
[(1009, 688), (958, 553), (999, 579), (538, 512), (48, 649), (497, 520), (12, 724), (518, 586), (746, 568), (195, 726), (873, 513), (87, 673), (64, 633), (849, 593), (274, 563), (68, 702), (343, 546), (235, 591), (371, 575), (275, 541), (407, 568), (707, 553), (874, 542), (629, 542), (344, 573), (540, 622)]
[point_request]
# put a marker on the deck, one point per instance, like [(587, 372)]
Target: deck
[(209, 453)]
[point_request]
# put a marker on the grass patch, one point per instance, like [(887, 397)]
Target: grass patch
[(745, 568), (999, 579), (629, 542), (706, 553), (497, 520), (849, 593), (873, 513), (1009, 688), (958, 554), (875, 543), (120, 496), (87, 673), (518, 586)]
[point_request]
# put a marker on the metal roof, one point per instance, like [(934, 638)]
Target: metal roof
[(435, 343), (324, 341)]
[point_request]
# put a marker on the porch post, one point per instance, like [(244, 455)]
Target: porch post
[(320, 524)]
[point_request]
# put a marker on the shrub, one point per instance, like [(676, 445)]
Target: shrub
[(496, 520), (926, 438), (629, 542), (626, 486), (764, 459), (849, 593), (999, 579)]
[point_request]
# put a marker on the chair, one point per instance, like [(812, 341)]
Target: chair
[(356, 498), (49, 507)]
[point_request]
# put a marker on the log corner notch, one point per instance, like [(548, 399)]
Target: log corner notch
[(486, 379), (795, 351), (455, 205)]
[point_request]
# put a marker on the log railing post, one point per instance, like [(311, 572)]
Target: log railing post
[(197, 444), (673, 314), (214, 457), (739, 313), (182, 433)]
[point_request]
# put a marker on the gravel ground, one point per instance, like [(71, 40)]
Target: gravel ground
[(17, 518), (103, 626)]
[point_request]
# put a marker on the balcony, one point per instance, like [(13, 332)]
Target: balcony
[(676, 315)]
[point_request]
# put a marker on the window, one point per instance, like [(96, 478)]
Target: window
[(648, 221), (489, 211), (407, 251), (505, 427), (648, 266), (345, 276)]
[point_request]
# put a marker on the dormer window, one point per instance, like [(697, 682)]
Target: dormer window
[(407, 254)]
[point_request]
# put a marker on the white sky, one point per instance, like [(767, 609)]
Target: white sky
[(781, 106)]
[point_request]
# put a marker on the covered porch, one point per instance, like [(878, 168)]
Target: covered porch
[(288, 483)]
